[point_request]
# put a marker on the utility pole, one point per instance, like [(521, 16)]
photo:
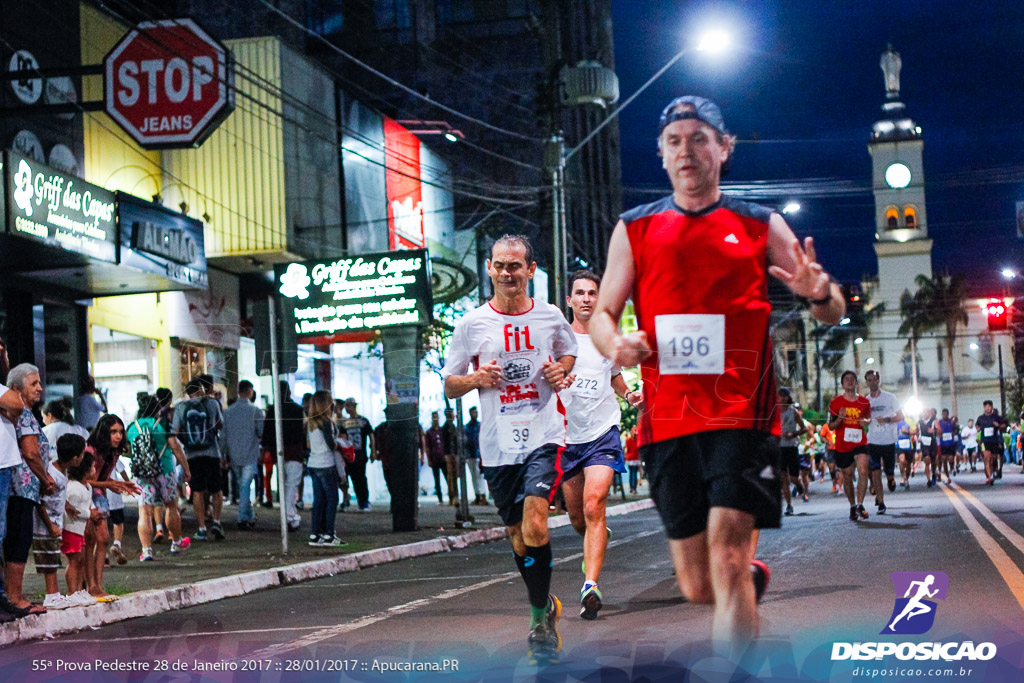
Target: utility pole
[(817, 365), (1002, 384), (554, 152), (555, 161)]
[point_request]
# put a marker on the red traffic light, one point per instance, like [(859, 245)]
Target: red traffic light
[(996, 315)]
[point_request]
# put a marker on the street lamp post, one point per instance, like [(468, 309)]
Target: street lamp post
[(714, 41)]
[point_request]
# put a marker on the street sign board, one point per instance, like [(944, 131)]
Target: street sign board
[(356, 293), (60, 210), (168, 84)]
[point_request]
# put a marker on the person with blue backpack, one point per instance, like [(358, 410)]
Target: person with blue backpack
[(196, 423)]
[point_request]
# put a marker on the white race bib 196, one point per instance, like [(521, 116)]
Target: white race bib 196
[(518, 433), (853, 435), (691, 343)]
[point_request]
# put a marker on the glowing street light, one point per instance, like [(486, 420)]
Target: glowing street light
[(870, 361), (791, 207), (844, 321), (858, 340), (974, 346), (714, 42), (1009, 273), (912, 406)]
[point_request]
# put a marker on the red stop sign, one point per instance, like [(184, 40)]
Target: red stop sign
[(168, 83)]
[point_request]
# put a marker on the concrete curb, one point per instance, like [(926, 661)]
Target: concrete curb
[(157, 601)]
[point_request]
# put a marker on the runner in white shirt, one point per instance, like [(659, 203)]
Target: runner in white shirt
[(969, 434), (594, 451), (885, 413), (522, 352)]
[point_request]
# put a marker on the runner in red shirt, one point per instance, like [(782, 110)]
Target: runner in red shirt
[(696, 266), (849, 415)]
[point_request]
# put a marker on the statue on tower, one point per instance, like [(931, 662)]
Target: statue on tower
[(891, 64)]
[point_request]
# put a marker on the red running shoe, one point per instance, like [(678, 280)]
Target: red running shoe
[(762, 575)]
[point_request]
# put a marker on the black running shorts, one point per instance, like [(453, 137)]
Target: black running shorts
[(844, 460), (790, 460), (540, 475), (729, 468), (205, 472), (882, 457)]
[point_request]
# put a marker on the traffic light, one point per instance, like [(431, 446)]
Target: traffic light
[(997, 315)]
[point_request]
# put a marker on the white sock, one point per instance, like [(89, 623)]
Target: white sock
[(159, 527), (117, 543)]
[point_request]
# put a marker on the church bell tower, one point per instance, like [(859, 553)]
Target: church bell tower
[(901, 220)]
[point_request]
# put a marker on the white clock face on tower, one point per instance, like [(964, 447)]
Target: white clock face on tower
[(897, 176)]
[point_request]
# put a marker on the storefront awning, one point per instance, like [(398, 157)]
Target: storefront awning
[(63, 233)]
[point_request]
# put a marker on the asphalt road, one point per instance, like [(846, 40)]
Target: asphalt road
[(830, 583)]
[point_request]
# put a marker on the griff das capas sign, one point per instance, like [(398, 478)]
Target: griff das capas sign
[(357, 293)]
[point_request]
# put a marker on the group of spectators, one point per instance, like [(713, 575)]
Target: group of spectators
[(54, 487), (440, 450), (63, 475)]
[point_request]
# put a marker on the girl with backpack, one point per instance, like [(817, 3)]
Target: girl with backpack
[(323, 466), (154, 452)]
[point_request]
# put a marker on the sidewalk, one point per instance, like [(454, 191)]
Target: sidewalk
[(247, 561)]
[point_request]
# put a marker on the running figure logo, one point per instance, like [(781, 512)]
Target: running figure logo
[(914, 612)]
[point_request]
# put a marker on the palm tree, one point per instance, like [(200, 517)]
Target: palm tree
[(914, 324), (940, 302)]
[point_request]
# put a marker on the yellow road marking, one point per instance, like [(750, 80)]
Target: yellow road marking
[(1012, 536), (1011, 574)]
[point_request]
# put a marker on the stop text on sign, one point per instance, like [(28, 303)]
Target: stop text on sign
[(168, 83), (176, 79)]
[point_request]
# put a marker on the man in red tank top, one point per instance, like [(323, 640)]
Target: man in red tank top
[(849, 414), (696, 266)]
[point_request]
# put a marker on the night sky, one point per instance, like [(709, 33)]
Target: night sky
[(803, 78)]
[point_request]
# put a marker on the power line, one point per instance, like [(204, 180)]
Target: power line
[(266, 86), (400, 86)]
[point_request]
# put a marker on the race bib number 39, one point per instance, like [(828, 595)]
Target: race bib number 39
[(691, 344), (518, 433)]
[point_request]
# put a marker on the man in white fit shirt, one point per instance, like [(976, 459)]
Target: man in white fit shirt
[(593, 453), (522, 351), (885, 413)]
